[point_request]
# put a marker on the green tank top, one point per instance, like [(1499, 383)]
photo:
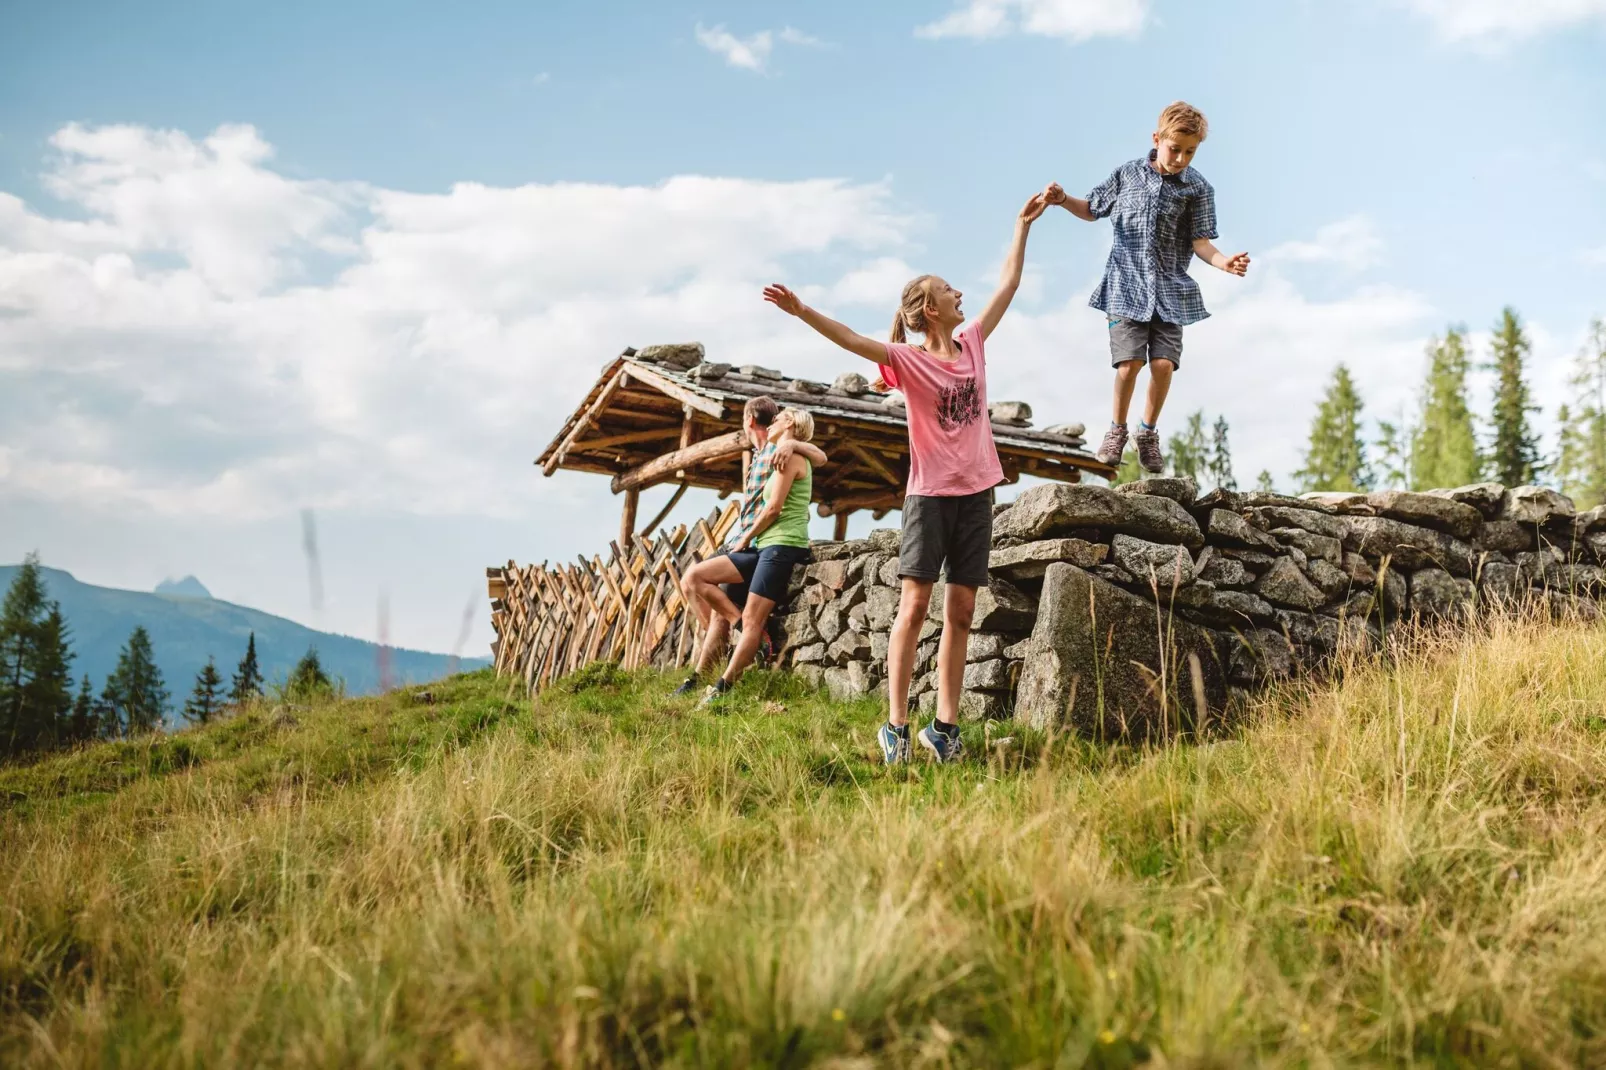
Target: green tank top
[(791, 528)]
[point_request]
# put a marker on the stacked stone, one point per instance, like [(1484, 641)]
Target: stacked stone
[(1099, 595)]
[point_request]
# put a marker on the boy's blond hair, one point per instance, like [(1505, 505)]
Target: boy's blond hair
[(1183, 118)]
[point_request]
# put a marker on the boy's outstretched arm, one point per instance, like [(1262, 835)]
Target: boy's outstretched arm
[(1078, 207), (840, 333), (1206, 250), (1009, 279)]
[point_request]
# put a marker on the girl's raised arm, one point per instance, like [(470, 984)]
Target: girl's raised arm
[(1009, 281), (840, 333)]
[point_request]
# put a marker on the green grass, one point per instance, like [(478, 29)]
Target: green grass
[(1404, 868)]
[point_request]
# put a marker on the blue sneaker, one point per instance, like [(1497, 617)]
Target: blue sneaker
[(943, 747), (894, 744)]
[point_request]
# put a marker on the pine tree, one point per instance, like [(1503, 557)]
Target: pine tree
[(1514, 453), (35, 660), (82, 723), (1263, 482), (50, 689), (1444, 447), (207, 698), (1393, 446), (1336, 456), (247, 677), (1580, 465), (307, 679), (135, 690), (1190, 450), (1221, 457)]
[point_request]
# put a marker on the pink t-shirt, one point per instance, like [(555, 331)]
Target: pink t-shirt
[(951, 449)]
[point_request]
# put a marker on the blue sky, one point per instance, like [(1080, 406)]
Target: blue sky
[(362, 257)]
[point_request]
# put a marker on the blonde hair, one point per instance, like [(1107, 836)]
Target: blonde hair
[(911, 314), (1180, 117), (801, 421)]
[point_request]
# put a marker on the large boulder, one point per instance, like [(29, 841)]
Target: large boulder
[(1253, 499), (1223, 571), (1013, 413), (1343, 502), (1272, 517), (1181, 491), (1223, 608), (881, 607), (1030, 560), (1001, 607), (1072, 508), (1311, 545), (1486, 498), (1411, 547), (1428, 511), (1285, 585), (1096, 663), (1435, 594), (1165, 564), (1227, 528), (1536, 505), (1507, 536), (682, 355)]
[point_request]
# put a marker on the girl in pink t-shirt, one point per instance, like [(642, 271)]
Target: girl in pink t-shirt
[(953, 467)]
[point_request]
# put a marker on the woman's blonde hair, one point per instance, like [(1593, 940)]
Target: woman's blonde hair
[(802, 422), (1183, 118), (911, 314)]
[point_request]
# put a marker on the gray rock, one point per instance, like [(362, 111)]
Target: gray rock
[(1217, 499), (811, 654), (825, 550), (1258, 499), (849, 646), (1068, 508), (852, 595), (831, 574), (1157, 519), (1224, 608), (1344, 503), (850, 384), (1030, 560), (885, 540), (1596, 543), (889, 574), (1162, 563), (984, 645), (1332, 580), (1115, 574), (926, 656), (1507, 536), (1590, 520), (1312, 546), (879, 642), (881, 607), (1359, 570), (857, 618), (807, 386), (830, 624), (1536, 505), (1182, 491), (1501, 584), (813, 675), (930, 628), (1068, 430), (1018, 651), (676, 355), (1017, 413), (1486, 498), (1285, 585), (798, 629), (758, 371), (1274, 517), (849, 682), (1435, 594), (1410, 547), (1428, 511), (1227, 528), (982, 706), (991, 675), (1095, 660), (1223, 571), (1001, 607), (1259, 656), (706, 372), (1254, 560)]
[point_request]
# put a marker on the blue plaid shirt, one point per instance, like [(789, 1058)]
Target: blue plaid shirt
[(759, 469), (1156, 219)]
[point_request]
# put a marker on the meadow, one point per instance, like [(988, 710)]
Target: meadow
[(1400, 867)]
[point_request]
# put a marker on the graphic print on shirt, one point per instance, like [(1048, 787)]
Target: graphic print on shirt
[(958, 405)]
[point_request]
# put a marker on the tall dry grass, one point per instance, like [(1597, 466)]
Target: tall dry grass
[(1402, 868)]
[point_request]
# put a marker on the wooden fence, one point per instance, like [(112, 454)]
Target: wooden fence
[(552, 619)]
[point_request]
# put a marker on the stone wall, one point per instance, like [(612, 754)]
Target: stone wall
[(1113, 610)]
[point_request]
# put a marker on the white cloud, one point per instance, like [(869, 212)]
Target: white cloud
[(1352, 243), (1490, 23), (1073, 20), (794, 36), (751, 53), (543, 78), (1594, 257)]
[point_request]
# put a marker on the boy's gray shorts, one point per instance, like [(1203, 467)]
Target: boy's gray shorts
[(958, 531), (1136, 340)]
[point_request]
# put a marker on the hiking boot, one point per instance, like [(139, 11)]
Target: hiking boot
[(686, 688), (894, 744), (1113, 446), (1150, 459), (716, 691), (943, 746)]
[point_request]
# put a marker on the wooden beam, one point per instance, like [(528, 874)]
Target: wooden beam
[(877, 500), (651, 435), (659, 519), (583, 423), (684, 395), (722, 448), (840, 532), (874, 463), (627, 519)]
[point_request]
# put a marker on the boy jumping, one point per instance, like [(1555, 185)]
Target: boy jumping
[(1163, 213)]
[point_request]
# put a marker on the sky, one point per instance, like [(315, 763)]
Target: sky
[(357, 261)]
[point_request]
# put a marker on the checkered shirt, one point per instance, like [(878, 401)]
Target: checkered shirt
[(758, 473), (1156, 220)]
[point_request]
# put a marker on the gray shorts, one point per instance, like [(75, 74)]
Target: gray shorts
[(1136, 340), (958, 531)]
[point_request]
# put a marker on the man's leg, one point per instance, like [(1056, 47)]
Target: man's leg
[(958, 609), (754, 616), (1126, 382), (705, 579), (716, 636), (912, 605), (1160, 372)]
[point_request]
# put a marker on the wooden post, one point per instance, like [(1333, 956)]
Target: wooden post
[(627, 519), (841, 533)]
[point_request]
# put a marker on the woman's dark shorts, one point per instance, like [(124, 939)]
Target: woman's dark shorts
[(957, 530), (766, 572)]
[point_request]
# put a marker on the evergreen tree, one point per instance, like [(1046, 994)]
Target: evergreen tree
[(307, 679), (1336, 456), (1190, 450), (82, 724), (1580, 465), (1263, 482), (1444, 447), (1393, 454), (1221, 457), (135, 690), (207, 698), (50, 689), (247, 677), (35, 660), (1514, 453)]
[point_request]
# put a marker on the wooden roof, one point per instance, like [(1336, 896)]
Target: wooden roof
[(648, 421)]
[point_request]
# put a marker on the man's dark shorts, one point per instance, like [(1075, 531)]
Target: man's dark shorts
[(958, 531), (766, 572), (1136, 340)]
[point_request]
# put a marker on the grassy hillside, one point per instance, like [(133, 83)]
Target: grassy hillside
[(1403, 869), (185, 631)]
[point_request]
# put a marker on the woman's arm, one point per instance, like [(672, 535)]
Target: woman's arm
[(775, 492), (840, 333), (1009, 281), (815, 455)]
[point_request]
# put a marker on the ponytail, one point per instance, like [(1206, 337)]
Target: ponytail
[(898, 335), (911, 314)]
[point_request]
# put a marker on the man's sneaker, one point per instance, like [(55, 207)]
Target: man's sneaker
[(716, 691), (1113, 446), (944, 747), (686, 688), (1150, 459), (894, 744)]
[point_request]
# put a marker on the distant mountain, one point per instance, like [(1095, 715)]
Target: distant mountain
[(187, 625), (188, 587)]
